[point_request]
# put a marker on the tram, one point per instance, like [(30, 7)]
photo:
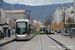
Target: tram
[(24, 30), (42, 29)]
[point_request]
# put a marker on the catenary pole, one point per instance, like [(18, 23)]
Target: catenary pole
[(12, 20)]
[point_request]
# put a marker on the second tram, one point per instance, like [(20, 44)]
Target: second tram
[(42, 29)]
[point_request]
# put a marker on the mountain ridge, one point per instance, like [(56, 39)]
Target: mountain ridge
[(37, 11)]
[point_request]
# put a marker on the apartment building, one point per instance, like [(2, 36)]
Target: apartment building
[(62, 13), (68, 12), (58, 15)]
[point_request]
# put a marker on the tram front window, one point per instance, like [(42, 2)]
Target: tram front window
[(42, 29), (21, 28)]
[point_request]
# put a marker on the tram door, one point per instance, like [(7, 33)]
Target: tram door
[(73, 31), (66, 31)]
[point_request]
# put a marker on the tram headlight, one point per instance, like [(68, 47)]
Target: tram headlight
[(16, 33), (28, 34), (25, 33)]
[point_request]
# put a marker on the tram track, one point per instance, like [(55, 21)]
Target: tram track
[(20, 46), (16, 45), (54, 43), (41, 45), (62, 45)]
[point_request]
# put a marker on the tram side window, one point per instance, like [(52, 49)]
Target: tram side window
[(42, 29), (65, 31), (29, 29)]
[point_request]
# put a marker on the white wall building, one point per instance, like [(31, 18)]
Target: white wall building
[(55, 16), (17, 14), (58, 15), (6, 15), (35, 21), (67, 12)]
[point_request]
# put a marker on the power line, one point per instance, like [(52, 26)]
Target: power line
[(43, 9), (24, 3), (28, 12)]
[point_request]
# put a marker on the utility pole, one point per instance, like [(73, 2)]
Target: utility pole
[(62, 18), (28, 12), (12, 19)]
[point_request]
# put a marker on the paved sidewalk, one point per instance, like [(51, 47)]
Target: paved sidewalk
[(6, 40), (65, 40)]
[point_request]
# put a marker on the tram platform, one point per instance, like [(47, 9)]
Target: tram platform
[(65, 40), (7, 40)]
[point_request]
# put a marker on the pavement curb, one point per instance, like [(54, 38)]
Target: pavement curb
[(64, 46), (6, 42)]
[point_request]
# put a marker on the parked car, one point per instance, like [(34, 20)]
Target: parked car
[(52, 32), (58, 31)]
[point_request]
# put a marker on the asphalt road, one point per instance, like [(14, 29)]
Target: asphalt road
[(39, 42)]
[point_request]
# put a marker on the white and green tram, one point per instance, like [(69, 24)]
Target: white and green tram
[(42, 29)]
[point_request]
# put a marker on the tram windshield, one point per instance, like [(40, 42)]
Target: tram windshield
[(42, 29), (21, 27), (67, 30)]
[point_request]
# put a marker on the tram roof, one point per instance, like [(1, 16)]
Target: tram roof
[(22, 20), (42, 26)]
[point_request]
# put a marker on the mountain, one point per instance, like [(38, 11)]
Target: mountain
[(37, 12)]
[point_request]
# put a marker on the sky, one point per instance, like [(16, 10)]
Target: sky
[(37, 2)]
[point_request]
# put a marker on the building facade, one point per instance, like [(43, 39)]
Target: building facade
[(7, 17), (68, 12), (17, 14), (0, 15), (58, 15), (62, 13)]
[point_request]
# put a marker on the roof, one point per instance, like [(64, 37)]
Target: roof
[(15, 11), (3, 24), (72, 12), (42, 26)]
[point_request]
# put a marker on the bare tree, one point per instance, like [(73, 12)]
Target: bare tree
[(48, 20)]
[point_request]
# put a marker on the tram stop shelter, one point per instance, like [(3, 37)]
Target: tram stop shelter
[(5, 27), (70, 29), (66, 30)]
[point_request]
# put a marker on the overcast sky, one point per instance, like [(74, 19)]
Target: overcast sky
[(37, 2)]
